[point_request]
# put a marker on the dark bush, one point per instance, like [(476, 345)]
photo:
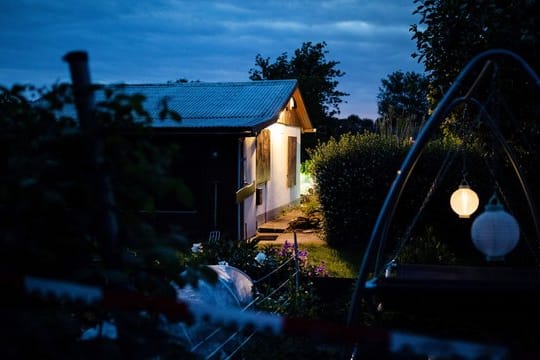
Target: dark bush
[(51, 225), (352, 177)]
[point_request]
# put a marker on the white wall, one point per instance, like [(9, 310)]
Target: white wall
[(277, 192)]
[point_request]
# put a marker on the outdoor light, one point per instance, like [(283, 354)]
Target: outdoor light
[(292, 103), (464, 201), (495, 232)]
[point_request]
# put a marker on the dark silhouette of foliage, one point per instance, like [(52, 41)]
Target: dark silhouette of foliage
[(351, 124), (450, 33), (49, 222), (403, 101)]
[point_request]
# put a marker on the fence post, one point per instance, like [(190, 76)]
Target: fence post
[(84, 102)]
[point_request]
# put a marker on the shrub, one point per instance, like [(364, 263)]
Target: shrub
[(352, 176), (426, 249)]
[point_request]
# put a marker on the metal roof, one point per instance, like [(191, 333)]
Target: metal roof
[(204, 105)]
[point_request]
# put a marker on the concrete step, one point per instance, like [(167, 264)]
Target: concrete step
[(265, 237), (267, 228)]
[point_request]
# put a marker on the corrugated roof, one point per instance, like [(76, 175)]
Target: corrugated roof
[(234, 105)]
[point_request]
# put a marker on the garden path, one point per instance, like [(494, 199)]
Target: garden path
[(279, 230)]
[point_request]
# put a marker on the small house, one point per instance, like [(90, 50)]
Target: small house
[(240, 150)]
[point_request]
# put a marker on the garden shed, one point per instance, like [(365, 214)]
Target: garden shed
[(239, 150)]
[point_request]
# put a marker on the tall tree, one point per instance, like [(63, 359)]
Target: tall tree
[(402, 101), (317, 78), (450, 33)]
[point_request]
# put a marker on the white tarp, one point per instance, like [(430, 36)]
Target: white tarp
[(232, 289)]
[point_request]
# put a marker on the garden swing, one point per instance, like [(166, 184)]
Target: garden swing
[(492, 289)]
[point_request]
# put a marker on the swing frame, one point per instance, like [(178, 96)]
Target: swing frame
[(426, 287)]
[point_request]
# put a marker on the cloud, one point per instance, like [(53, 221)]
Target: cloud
[(279, 26), (210, 40)]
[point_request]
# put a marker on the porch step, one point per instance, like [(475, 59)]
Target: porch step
[(264, 237), (266, 228), (280, 224)]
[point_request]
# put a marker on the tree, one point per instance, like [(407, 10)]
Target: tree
[(351, 124), (403, 102), (450, 33), (48, 223), (178, 81), (317, 79)]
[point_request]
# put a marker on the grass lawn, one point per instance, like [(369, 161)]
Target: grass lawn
[(342, 263), (339, 263)]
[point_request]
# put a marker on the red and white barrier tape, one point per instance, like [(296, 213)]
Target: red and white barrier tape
[(266, 323)]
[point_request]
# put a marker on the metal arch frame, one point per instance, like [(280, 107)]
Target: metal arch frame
[(448, 102)]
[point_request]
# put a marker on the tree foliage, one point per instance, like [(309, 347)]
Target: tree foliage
[(49, 216), (317, 78), (402, 101), (351, 124), (450, 33)]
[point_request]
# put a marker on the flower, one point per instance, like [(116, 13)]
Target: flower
[(260, 257), (285, 249), (303, 254), (321, 270)]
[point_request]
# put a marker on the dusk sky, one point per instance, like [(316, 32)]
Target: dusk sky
[(155, 41)]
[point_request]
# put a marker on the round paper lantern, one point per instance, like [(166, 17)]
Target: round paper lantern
[(464, 201), (495, 232)]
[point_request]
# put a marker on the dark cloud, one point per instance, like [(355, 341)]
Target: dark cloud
[(161, 40)]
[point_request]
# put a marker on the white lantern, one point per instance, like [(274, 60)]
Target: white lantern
[(464, 201), (495, 232)]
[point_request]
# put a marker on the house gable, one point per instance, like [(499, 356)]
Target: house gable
[(294, 113)]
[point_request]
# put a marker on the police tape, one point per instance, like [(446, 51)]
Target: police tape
[(393, 341)]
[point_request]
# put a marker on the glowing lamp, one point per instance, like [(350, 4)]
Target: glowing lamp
[(292, 103), (495, 232), (464, 201)]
